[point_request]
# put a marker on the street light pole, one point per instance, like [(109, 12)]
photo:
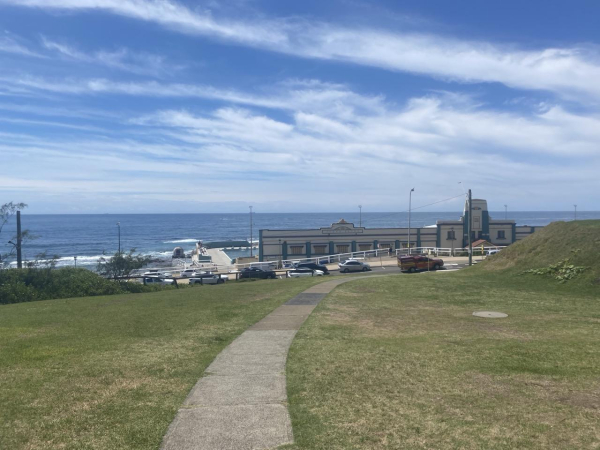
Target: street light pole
[(360, 215), (75, 258), (280, 255), (453, 239), (119, 226), (409, 208), (250, 231), (505, 212), (470, 226)]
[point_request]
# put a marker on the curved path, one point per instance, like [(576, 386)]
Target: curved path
[(240, 403)]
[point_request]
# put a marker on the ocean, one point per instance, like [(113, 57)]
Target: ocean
[(88, 236)]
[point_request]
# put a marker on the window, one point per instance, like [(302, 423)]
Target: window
[(320, 249), (296, 249), (385, 246), (343, 248), (364, 247), (501, 234), (451, 235)]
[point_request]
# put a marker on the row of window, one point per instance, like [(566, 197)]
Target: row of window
[(339, 248), (452, 235)]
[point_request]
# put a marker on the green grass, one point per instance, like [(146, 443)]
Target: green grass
[(400, 362), (110, 372)]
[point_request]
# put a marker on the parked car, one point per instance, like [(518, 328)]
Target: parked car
[(313, 266), (492, 252), (154, 280), (157, 273), (256, 272), (207, 279), (352, 265), (190, 273), (416, 263), (305, 272)]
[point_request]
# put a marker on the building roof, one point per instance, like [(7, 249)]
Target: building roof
[(483, 242)]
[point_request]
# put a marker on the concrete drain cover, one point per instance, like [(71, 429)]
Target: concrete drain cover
[(490, 314)]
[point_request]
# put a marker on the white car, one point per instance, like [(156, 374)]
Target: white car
[(157, 273), (160, 281), (298, 273), (190, 273), (208, 279), (352, 265)]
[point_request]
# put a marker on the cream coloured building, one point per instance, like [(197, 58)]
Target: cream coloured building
[(344, 237)]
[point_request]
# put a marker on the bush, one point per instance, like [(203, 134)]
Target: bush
[(26, 285)]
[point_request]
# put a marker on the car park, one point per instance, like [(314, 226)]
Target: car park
[(208, 279), (313, 266), (304, 272), (256, 272), (416, 263), (155, 280), (352, 265)]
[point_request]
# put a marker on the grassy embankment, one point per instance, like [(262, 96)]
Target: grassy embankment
[(400, 362), (110, 372)]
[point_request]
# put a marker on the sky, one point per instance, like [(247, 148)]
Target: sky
[(199, 106)]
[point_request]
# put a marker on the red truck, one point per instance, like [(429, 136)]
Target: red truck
[(415, 263)]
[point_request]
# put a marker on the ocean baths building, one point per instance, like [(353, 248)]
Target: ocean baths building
[(344, 237)]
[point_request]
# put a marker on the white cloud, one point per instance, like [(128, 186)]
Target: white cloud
[(122, 59), (571, 72), (10, 44)]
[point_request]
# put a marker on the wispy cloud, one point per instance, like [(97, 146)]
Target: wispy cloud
[(140, 63), (570, 72), (11, 44)]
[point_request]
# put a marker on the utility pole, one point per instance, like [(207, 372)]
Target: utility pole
[(19, 241), (250, 231), (453, 239), (505, 212), (119, 227), (360, 215), (575, 211), (409, 208), (469, 231)]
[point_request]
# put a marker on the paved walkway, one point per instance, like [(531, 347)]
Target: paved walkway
[(240, 403)]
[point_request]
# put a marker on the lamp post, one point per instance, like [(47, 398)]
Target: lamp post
[(409, 208), (119, 227), (452, 240), (250, 231), (505, 212), (360, 215), (575, 211), (75, 258)]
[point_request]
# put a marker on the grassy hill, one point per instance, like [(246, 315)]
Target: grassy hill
[(579, 242)]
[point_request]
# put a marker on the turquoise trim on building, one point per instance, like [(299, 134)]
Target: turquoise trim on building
[(375, 244), (419, 237), (284, 250), (353, 246), (331, 248), (485, 226), (514, 233), (397, 245), (260, 245), (438, 236), (308, 250)]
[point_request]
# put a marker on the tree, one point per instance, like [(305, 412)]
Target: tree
[(6, 212), (121, 264)]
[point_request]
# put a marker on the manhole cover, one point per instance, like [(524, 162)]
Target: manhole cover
[(490, 314)]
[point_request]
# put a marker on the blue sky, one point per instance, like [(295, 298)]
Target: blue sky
[(206, 106)]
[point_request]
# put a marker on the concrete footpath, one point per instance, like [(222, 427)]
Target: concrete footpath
[(241, 402)]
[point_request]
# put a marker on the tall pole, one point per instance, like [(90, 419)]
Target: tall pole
[(409, 208), (19, 241), (575, 211), (250, 231), (119, 228), (505, 212), (453, 239), (469, 231), (360, 215)]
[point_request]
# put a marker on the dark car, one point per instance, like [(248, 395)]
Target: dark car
[(313, 266), (419, 263), (256, 272)]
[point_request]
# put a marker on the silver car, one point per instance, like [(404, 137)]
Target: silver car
[(353, 265)]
